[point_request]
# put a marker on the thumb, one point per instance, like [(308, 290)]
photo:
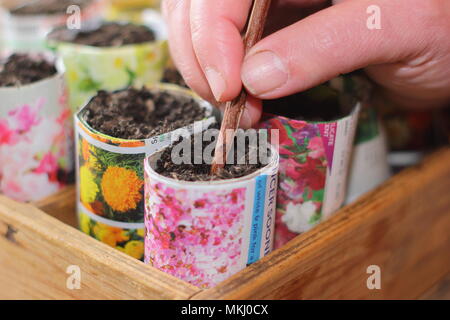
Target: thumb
[(333, 41)]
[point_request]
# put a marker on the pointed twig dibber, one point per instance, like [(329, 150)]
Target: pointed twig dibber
[(234, 108)]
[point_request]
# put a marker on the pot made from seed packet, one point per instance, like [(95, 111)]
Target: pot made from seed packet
[(90, 69), (110, 179), (36, 139), (26, 27), (132, 11), (316, 131), (204, 232), (369, 165), (135, 4)]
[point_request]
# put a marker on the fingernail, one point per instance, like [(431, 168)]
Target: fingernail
[(263, 72), (216, 82)]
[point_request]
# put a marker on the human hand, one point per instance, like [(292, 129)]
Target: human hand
[(409, 57)]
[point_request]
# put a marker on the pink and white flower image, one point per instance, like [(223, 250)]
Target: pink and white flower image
[(24, 118), (32, 146), (48, 164), (316, 147), (303, 165), (291, 187), (298, 216), (194, 235), (7, 135)]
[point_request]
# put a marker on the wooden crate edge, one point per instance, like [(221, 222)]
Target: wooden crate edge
[(23, 224)]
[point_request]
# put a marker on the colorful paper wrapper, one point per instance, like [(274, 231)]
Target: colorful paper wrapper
[(90, 69), (128, 11), (110, 181), (28, 32), (369, 164), (36, 139), (204, 232), (133, 4), (314, 162)]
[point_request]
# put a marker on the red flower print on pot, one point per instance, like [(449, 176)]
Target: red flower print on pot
[(314, 158)]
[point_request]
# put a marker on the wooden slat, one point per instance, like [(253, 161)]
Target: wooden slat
[(36, 249), (440, 291), (403, 227), (62, 206)]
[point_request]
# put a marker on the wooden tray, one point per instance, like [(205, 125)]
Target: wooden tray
[(403, 227)]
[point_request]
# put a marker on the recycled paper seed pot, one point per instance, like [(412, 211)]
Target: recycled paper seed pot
[(204, 232), (28, 32), (314, 159), (36, 139), (369, 164), (110, 181), (90, 69)]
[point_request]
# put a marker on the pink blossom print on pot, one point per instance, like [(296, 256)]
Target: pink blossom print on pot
[(316, 131), (35, 137), (203, 232)]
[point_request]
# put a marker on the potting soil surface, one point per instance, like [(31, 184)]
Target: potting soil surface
[(172, 75), (21, 69), (141, 114), (200, 170), (47, 7), (114, 35)]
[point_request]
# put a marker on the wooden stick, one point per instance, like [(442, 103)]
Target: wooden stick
[(235, 108)]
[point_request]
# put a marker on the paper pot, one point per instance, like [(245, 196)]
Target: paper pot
[(35, 139), (130, 11), (204, 232), (369, 164), (130, 4), (110, 181), (28, 32), (90, 69), (314, 162)]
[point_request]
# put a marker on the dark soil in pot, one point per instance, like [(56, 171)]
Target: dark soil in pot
[(21, 69), (141, 113), (109, 34), (171, 75), (201, 171), (319, 104), (48, 7)]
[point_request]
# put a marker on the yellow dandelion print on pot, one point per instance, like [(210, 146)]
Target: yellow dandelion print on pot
[(121, 188), (88, 187), (119, 63), (122, 235), (120, 249), (108, 237), (85, 223), (141, 232), (135, 249)]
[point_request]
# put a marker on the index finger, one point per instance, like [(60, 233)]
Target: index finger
[(216, 38)]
